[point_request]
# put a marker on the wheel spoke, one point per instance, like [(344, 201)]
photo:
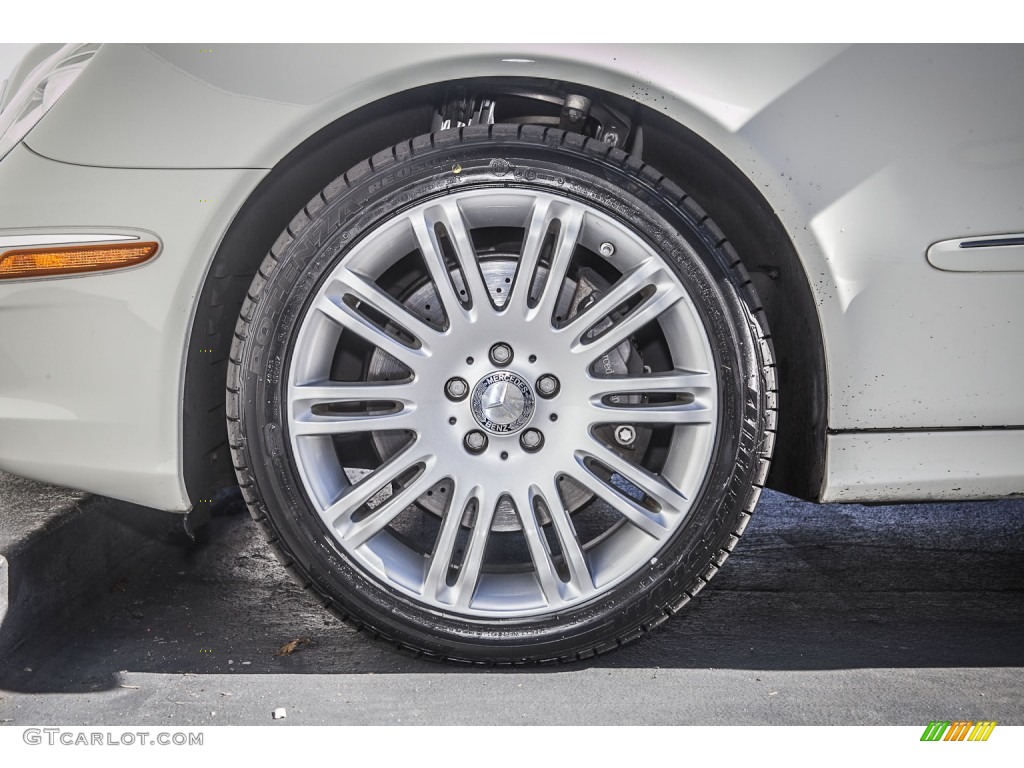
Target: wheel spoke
[(356, 533), (359, 287), (580, 580), (648, 274), (670, 500), (448, 215), (435, 586), (547, 575), (455, 223), (638, 278), (536, 234), (698, 383), (652, 308), (570, 219), (305, 396), (699, 411), (307, 423), (651, 523), (354, 496), (472, 562), (349, 319), (608, 398)]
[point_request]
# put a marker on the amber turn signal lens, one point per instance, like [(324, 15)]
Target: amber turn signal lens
[(66, 260)]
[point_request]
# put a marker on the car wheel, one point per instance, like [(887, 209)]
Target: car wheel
[(502, 394)]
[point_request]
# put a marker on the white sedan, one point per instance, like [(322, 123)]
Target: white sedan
[(501, 343)]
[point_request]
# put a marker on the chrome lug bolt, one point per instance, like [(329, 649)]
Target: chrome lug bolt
[(625, 434), (476, 441), (607, 250), (547, 385), (501, 354), (531, 440), (456, 388)]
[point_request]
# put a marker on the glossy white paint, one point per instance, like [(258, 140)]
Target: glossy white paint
[(998, 254), (868, 155), (90, 365), (38, 239), (919, 466), (250, 104)]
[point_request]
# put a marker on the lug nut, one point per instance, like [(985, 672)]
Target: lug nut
[(501, 354), (456, 388), (531, 440), (547, 385), (625, 434), (476, 441)]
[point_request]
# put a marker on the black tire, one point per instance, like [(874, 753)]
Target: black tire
[(567, 164)]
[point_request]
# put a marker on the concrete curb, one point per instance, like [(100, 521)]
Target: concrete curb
[(72, 550)]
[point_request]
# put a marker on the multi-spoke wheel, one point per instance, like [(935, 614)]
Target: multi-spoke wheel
[(502, 395)]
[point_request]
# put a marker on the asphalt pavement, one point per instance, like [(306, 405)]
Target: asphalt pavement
[(824, 615)]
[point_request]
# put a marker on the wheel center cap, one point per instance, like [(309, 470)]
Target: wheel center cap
[(502, 402)]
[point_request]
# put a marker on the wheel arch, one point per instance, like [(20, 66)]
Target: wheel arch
[(728, 196)]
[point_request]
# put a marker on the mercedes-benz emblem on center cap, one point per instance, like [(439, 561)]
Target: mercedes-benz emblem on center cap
[(502, 402)]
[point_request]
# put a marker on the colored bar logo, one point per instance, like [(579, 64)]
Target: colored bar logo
[(958, 730)]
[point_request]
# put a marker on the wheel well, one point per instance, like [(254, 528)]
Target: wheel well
[(735, 204), (705, 173)]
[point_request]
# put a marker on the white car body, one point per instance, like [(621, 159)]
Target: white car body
[(869, 156)]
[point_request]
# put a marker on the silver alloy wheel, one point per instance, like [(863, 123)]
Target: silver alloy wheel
[(515, 484)]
